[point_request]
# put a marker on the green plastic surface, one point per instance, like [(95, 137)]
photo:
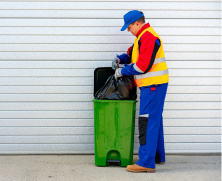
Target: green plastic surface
[(114, 122)]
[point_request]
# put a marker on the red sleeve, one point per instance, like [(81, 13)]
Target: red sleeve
[(147, 42), (129, 50)]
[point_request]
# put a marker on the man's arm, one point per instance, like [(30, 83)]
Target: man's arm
[(126, 57)]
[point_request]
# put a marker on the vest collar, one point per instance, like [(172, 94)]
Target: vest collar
[(143, 28)]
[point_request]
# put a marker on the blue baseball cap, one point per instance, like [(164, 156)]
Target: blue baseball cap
[(131, 17)]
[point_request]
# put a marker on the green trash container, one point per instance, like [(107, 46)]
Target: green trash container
[(114, 122)]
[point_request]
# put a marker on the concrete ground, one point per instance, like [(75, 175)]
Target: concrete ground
[(82, 168)]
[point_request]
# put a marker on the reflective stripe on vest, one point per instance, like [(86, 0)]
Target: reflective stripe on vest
[(152, 74), (158, 74)]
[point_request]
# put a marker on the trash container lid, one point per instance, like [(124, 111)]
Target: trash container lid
[(101, 74)]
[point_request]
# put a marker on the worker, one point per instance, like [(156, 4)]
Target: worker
[(146, 62)]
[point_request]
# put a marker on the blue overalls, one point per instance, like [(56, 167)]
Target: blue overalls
[(151, 125)]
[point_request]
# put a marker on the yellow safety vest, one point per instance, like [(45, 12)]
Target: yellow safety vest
[(158, 73)]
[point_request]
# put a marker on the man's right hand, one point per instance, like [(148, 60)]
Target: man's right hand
[(115, 63)]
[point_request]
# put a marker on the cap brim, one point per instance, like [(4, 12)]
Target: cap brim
[(124, 27)]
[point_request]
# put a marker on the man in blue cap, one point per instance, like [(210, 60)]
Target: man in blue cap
[(146, 62)]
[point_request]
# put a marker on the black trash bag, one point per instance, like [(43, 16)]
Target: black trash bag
[(121, 89)]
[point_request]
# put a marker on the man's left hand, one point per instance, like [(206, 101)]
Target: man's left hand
[(118, 73)]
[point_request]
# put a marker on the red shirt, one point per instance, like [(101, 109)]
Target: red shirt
[(146, 48)]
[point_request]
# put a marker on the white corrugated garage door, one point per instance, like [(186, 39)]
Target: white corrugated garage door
[(48, 53)]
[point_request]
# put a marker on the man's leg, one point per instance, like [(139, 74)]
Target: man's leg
[(151, 108), (160, 151)]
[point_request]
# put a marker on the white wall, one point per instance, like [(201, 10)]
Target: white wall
[(48, 53)]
